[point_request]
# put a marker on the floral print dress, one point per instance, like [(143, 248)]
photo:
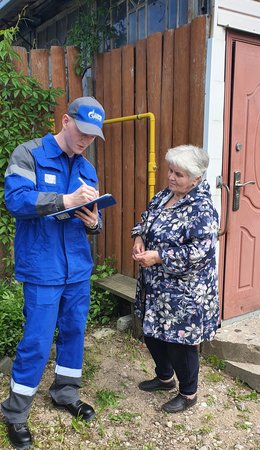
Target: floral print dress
[(177, 300)]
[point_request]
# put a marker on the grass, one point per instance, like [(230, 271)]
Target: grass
[(3, 437), (143, 367), (55, 432), (123, 416), (216, 362), (243, 425), (204, 430), (208, 417), (213, 377), (251, 396), (210, 400), (80, 426), (106, 398), (131, 348), (112, 444), (90, 365), (179, 426), (120, 423)]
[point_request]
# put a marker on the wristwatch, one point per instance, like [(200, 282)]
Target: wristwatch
[(93, 227)]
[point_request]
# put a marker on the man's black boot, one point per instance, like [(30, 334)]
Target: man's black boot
[(19, 435), (77, 409)]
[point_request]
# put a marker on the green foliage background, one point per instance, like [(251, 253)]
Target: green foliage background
[(11, 317), (90, 29), (26, 110), (103, 307)]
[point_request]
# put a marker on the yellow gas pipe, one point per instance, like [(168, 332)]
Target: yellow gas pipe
[(151, 162)]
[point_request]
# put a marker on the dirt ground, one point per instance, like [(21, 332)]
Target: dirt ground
[(227, 415)]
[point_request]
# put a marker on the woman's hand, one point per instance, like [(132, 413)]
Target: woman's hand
[(90, 218), (148, 258), (138, 247)]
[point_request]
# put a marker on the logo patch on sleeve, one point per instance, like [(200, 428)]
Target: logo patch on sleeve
[(49, 178)]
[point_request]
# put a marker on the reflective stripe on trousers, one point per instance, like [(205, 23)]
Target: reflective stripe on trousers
[(45, 307)]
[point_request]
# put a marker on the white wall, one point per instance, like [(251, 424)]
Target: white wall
[(243, 15)]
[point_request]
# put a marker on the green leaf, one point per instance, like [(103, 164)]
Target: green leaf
[(24, 115)]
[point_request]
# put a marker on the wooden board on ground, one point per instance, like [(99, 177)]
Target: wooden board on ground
[(123, 287), (120, 285)]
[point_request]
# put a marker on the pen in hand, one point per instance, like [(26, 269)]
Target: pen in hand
[(82, 181)]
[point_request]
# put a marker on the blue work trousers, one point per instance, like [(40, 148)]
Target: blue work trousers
[(45, 308)]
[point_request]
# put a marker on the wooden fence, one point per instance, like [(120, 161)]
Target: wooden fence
[(56, 68), (163, 74)]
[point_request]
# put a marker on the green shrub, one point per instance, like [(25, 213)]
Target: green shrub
[(11, 317), (26, 112), (103, 305), (90, 29), (103, 308)]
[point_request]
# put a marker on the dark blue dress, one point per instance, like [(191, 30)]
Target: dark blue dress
[(178, 299)]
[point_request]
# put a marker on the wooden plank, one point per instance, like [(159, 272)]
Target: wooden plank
[(74, 80), (59, 80), (40, 66), (21, 63), (198, 46), (114, 215), (108, 145), (141, 130), (99, 75), (128, 159), (154, 79), (121, 285), (181, 85), (166, 107), (141, 133)]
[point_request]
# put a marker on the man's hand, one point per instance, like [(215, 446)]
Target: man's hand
[(83, 194), (148, 258), (90, 218)]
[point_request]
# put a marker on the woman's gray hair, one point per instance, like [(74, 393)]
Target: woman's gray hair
[(192, 160)]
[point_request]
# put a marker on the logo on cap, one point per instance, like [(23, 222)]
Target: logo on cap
[(93, 115)]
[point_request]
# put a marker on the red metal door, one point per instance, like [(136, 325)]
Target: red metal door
[(242, 258)]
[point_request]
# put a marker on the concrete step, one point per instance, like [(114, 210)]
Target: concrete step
[(227, 349), (249, 373), (238, 344)]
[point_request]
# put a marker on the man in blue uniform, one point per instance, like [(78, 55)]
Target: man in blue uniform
[(53, 260)]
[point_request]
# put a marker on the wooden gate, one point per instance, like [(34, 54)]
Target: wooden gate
[(163, 74)]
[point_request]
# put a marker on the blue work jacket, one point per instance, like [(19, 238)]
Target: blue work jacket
[(47, 251)]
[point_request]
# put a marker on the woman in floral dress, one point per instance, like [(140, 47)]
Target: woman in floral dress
[(177, 295)]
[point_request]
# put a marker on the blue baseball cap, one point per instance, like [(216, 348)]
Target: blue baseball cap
[(89, 115)]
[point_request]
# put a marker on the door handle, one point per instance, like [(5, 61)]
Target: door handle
[(220, 184), (237, 185)]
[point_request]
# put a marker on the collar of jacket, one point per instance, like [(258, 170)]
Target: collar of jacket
[(51, 147), (199, 191)]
